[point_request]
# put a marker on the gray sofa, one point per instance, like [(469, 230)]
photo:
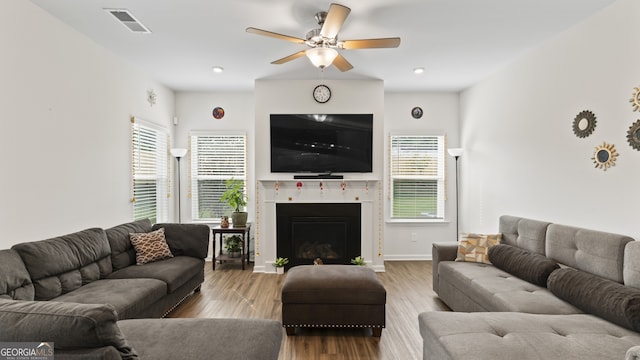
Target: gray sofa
[(587, 306), (85, 293)]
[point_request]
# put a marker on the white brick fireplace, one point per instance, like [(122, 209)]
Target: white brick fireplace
[(270, 192)]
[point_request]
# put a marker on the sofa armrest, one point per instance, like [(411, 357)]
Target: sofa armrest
[(186, 239), (441, 252)]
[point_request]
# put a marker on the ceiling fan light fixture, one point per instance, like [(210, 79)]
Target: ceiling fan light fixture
[(321, 57), (217, 69), (418, 70)]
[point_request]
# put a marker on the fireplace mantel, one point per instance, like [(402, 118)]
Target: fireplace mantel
[(269, 192)]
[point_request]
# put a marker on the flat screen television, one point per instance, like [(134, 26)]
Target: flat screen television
[(321, 143)]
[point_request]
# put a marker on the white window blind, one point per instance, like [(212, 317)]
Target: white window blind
[(215, 158), (149, 168), (417, 176)]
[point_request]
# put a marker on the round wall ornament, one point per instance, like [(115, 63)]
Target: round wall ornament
[(417, 112), (635, 100), (633, 135), (605, 156), (218, 113), (584, 123)]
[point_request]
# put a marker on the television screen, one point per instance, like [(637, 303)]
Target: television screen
[(321, 143)]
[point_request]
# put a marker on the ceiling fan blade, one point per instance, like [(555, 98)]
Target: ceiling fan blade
[(253, 30), (371, 43), (336, 16), (289, 58), (341, 63)]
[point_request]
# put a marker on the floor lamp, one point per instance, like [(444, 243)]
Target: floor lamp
[(456, 153), (178, 153)]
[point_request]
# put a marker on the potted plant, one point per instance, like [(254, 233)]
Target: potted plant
[(235, 197), (279, 264), (359, 260), (233, 245)]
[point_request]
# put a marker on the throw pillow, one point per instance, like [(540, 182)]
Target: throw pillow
[(595, 295), (151, 246), (475, 247), (532, 267)]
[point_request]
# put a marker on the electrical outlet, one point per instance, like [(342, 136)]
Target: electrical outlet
[(414, 237)]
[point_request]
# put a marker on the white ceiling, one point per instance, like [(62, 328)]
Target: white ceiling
[(458, 42)]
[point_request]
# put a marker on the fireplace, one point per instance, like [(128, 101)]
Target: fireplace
[(329, 231)]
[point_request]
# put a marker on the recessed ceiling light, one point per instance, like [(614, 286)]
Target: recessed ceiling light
[(217, 69), (418, 70)]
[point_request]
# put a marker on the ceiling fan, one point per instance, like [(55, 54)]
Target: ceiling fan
[(323, 42)]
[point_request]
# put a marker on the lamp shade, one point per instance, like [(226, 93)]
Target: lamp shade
[(456, 152), (178, 152), (321, 57)]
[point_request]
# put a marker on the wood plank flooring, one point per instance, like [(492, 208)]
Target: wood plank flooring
[(229, 292)]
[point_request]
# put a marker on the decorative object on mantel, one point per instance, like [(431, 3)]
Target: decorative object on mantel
[(343, 185), (321, 186), (635, 100), (417, 112), (584, 124), (605, 156), (277, 186), (218, 113), (633, 135), (151, 97), (299, 185)]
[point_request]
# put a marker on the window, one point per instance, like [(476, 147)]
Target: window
[(149, 168), (417, 177), (215, 158)]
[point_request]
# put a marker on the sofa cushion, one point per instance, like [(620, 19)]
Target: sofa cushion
[(187, 239), (466, 286), (475, 247), (214, 339), (631, 264), (67, 325), (595, 252), (130, 297), (524, 233), (175, 271), (65, 263), (528, 266), (122, 252), (491, 336), (15, 282), (150, 246), (602, 297)]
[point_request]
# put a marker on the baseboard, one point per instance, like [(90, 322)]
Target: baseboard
[(408, 257)]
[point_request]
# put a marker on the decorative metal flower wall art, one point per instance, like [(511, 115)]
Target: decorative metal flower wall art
[(605, 156), (584, 123), (635, 100), (633, 135)]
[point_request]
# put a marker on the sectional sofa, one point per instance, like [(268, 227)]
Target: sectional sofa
[(549, 291), (90, 294)]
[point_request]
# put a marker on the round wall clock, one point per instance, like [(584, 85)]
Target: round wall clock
[(321, 94), (218, 113)]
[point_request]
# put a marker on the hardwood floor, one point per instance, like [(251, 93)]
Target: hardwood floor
[(229, 292)]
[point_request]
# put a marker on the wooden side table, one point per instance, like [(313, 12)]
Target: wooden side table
[(245, 233)]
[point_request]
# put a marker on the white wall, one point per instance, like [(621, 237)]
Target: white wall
[(66, 105), (440, 118), (522, 157)]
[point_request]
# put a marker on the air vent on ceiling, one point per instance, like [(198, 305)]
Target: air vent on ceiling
[(128, 20)]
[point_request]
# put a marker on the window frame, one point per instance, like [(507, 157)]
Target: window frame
[(439, 177), (194, 167)]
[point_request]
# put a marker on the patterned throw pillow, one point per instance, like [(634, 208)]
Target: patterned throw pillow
[(150, 246), (475, 247)]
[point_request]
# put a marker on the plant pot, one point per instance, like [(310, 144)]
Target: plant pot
[(239, 219), (280, 270), (234, 254)]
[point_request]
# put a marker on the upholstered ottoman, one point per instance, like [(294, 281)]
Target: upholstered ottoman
[(333, 296)]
